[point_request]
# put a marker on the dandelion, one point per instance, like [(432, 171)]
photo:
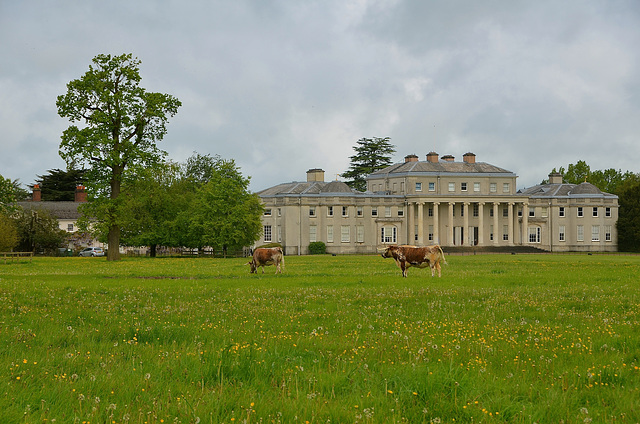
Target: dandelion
[(147, 376)]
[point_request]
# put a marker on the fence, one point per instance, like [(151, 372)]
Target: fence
[(15, 256)]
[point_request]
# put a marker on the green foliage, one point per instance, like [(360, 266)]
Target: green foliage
[(608, 180), (38, 232), (317, 248), (7, 195), (121, 124), (497, 339), (59, 185), (8, 233), (628, 224), (371, 155)]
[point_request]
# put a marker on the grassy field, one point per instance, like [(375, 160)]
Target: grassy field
[(345, 339)]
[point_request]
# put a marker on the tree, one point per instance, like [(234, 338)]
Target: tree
[(628, 224), (371, 155), (59, 185), (8, 233), (123, 122), (223, 213), (38, 231), (7, 195)]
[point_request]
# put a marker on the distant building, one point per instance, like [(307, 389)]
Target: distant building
[(438, 201)]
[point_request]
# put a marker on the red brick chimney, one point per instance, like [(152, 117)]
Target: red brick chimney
[(469, 157), (410, 158), (432, 157), (36, 196), (448, 158), (81, 194)]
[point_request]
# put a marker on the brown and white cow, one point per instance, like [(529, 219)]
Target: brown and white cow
[(421, 257), (267, 256)]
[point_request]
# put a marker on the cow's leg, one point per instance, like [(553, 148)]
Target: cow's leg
[(404, 268), (278, 267), (439, 269), (263, 268)]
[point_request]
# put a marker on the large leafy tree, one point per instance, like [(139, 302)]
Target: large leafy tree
[(38, 231), (371, 155), (8, 233), (122, 123), (59, 185), (628, 224), (7, 195)]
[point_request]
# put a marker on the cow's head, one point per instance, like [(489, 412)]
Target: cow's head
[(252, 266), (388, 251)]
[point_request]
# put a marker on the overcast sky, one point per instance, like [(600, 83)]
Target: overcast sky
[(285, 86)]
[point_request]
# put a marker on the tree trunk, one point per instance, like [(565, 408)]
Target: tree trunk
[(153, 250), (113, 240)]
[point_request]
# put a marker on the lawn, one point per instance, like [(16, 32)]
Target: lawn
[(335, 339)]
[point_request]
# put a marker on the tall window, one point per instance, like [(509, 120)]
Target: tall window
[(491, 232), (505, 232), (476, 210), (580, 211), (389, 235), (387, 211), (430, 232), (561, 232), (561, 211), (313, 233), (595, 233), (360, 233), (329, 233), (345, 234), (607, 212), (580, 233), (607, 233), (534, 234), (345, 211), (267, 232), (595, 212), (329, 210)]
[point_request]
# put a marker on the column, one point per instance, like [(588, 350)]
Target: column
[(481, 224), (411, 223), (436, 223), (420, 224), (497, 231), (525, 223), (450, 241), (510, 211), (466, 237)]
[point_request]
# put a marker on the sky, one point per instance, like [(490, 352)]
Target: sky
[(282, 87)]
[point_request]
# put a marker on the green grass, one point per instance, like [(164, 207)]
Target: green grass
[(346, 339)]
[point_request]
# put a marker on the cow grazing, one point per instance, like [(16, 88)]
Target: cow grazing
[(421, 257), (263, 256)]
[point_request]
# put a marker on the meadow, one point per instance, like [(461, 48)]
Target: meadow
[(344, 339)]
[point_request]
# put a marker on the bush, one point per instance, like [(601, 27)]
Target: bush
[(317, 248)]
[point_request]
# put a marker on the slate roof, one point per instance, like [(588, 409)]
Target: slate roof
[(440, 167), (566, 190), (316, 188), (58, 210)]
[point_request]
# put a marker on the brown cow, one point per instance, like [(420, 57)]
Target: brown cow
[(267, 256), (421, 257)]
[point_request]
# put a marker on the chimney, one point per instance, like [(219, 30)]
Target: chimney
[(448, 158), (315, 174), (410, 158), (37, 194), (81, 194), (432, 157), (555, 178), (469, 157)]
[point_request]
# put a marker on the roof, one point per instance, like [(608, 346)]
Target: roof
[(58, 210), (440, 167), (566, 190), (316, 188)]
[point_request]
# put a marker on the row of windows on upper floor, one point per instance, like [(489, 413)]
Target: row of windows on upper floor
[(580, 211), (431, 187)]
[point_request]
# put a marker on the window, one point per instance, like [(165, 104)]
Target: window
[(430, 232), (580, 233), (544, 212), (461, 210), (491, 231), (595, 212), (476, 187), (387, 211), (505, 212), (505, 188), (532, 212), (329, 210), (359, 211), (400, 211), (505, 232), (329, 233), (279, 230), (388, 235), (313, 233), (345, 211), (534, 234), (430, 211), (561, 232), (312, 211), (491, 213), (561, 211), (493, 187), (452, 186), (432, 186), (607, 212), (415, 232), (267, 212), (374, 211), (345, 234), (418, 186), (580, 211), (463, 186), (476, 210), (360, 233), (70, 228), (595, 233), (607, 233), (267, 232), (279, 211)]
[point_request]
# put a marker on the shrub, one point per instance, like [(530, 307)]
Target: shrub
[(317, 248)]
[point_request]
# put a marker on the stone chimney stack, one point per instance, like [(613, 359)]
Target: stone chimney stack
[(81, 194), (469, 157), (37, 194), (410, 158), (432, 157), (555, 178), (315, 174), (448, 158)]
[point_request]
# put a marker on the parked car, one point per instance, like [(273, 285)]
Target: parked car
[(92, 251)]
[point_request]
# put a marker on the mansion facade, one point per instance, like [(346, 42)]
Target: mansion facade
[(438, 201)]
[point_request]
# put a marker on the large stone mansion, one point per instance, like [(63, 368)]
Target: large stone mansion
[(438, 201)]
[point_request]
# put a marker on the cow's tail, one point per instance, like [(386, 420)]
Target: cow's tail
[(442, 255)]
